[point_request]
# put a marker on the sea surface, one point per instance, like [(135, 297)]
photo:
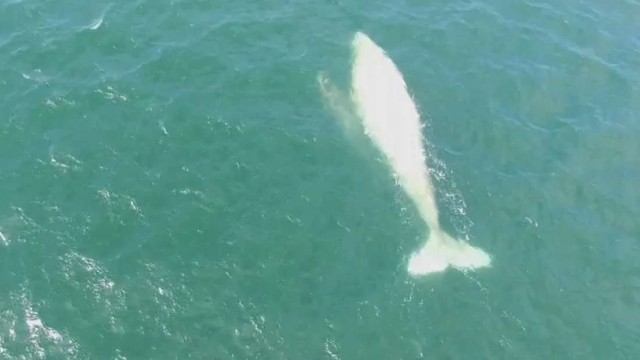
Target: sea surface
[(172, 185)]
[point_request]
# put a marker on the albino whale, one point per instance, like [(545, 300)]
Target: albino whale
[(390, 119)]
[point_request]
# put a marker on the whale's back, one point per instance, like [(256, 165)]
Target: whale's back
[(388, 112)]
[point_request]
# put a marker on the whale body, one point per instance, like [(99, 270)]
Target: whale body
[(389, 117)]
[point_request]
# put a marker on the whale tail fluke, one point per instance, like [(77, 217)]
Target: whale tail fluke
[(442, 251)]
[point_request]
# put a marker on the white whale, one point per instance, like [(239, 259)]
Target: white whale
[(389, 117)]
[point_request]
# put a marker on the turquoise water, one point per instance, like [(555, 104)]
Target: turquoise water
[(173, 186)]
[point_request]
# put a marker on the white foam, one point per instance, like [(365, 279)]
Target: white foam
[(97, 22), (4, 239), (40, 334)]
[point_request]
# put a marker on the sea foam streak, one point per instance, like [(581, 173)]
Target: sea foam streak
[(391, 120)]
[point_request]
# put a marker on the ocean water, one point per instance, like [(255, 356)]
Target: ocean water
[(172, 185)]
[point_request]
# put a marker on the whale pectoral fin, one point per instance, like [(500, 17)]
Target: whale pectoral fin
[(340, 105)]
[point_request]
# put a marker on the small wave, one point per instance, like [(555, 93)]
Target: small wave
[(41, 339), (36, 75), (112, 94), (97, 23), (117, 203), (93, 278), (3, 239)]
